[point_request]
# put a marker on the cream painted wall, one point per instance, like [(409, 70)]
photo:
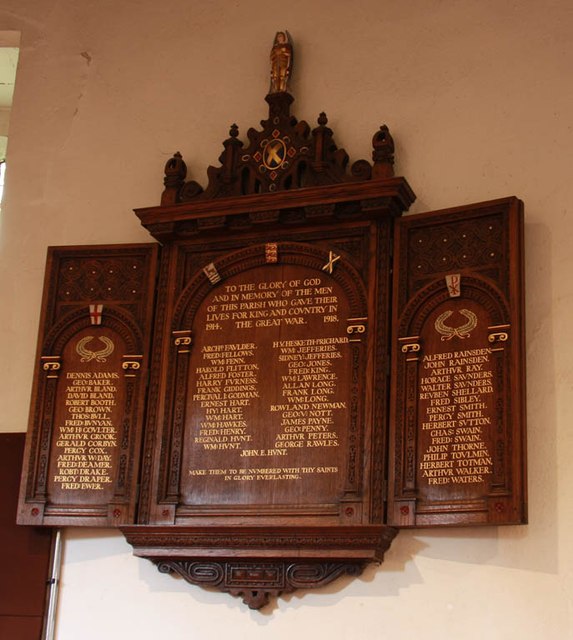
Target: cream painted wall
[(478, 96)]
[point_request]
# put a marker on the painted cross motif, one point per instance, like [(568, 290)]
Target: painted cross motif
[(274, 154), (96, 311), (332, 259)]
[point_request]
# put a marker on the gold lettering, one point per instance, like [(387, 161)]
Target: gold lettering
[(453, 398), (87, 437)]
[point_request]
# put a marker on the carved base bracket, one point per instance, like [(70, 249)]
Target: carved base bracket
[(256, 581), (259, 563)]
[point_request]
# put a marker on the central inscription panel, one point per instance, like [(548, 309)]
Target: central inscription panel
[(269, 390)]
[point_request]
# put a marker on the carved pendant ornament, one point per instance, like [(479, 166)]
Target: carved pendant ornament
[(257, 584)]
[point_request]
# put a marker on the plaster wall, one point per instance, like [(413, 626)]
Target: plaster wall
[(479, 99)]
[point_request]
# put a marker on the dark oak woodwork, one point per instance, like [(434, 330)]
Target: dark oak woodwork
[(278, 443), (458, 368), (268, 212), (284, 155), (258, 563), (249, 231), (82, 457)]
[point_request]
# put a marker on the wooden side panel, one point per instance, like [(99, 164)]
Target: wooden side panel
[(457, 445), (83, 446)]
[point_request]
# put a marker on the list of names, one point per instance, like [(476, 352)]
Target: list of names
[(87, 437), (454, 391)]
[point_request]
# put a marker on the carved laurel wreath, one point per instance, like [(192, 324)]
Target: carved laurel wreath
[(87, 355), (463, 331)]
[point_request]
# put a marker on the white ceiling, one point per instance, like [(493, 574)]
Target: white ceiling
[(8, 64)]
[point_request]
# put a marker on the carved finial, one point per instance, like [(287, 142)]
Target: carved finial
[(281, 62), (230, 155), (323, 144), (175, 167), (383, 154), (175, 173)]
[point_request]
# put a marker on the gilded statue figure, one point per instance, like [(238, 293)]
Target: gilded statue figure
[(281, 62)]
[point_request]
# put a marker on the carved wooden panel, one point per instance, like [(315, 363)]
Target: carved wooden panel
[(265, 408), (257, 582), (267, 416), (271, 459), (257, 563), (458, 419), (82, 453)]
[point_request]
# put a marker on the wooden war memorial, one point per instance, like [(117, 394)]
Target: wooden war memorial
[(292, 372)]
